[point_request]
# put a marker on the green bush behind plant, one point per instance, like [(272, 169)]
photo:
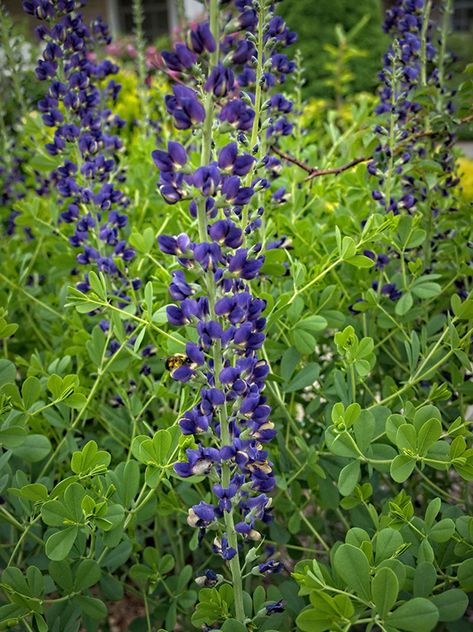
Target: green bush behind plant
[(314, 23)]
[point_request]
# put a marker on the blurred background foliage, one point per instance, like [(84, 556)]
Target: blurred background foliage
[(340, 40), (315, 24)]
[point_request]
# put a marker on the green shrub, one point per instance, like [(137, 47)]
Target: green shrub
[(314, 21)]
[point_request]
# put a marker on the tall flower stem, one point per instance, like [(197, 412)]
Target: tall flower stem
[(234, 563), (423, 43), (259, 75), (447, 11), (143, 96), (391, 134), (258, 97)]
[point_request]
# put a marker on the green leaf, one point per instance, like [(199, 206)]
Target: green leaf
[(73, 500), (306, 377), (98, 285), (131, 481), (384, 589), (34, 448), (402, 467), (352, 413), (341, 444), (364, 428), (450, 604), (162, 442), (7, 372), (404, 304), (61, 574), (304, 342), (87, 575), (442, 531), (12, 437), (416, 238), (93, 608), (30, 391), (352, 566), (89, 458), (465, 575), (425, 289), (76, 401), (55, 514), (406, 437), (312, 324), (59, 544), (313, 620), (432, 511), (416, 615), (360, 261), (139, 340), (348, 478), (348, 248), (41, 623), (428, 434), (425, 578), (387, 542), (289, 361), (34, 492)]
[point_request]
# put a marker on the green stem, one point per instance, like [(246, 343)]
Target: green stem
[(258, 99), (442, 52), (423, 43), (25, 532), (353, 383), (143, 95), (202, 221), (418, 377), (102, 369), (391, 141)]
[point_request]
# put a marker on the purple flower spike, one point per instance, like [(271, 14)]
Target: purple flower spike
[(211, 292)]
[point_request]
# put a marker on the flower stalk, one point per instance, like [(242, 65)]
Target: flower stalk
[(212, 289)]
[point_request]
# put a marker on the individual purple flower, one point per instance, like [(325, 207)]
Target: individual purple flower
[(185, 107), (201, 39), (223, 548), (220, 81), (200, 461), (173, 159), (225, 232), (272, 608), (201, 515), (270, 567), (181, 59)]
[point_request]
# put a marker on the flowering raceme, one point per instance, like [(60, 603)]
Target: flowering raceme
[(412, 90), (75, 106), (231, 422)]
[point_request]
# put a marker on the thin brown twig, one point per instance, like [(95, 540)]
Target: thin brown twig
[(289, 158), (315, 173)]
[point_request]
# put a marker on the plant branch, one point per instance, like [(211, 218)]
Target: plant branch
[(316, 173)]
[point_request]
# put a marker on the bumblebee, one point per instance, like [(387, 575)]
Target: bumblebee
[(176, 361)]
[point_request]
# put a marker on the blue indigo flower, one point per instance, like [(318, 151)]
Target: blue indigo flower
[(272, 608), (208, 579), (270, 567)]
